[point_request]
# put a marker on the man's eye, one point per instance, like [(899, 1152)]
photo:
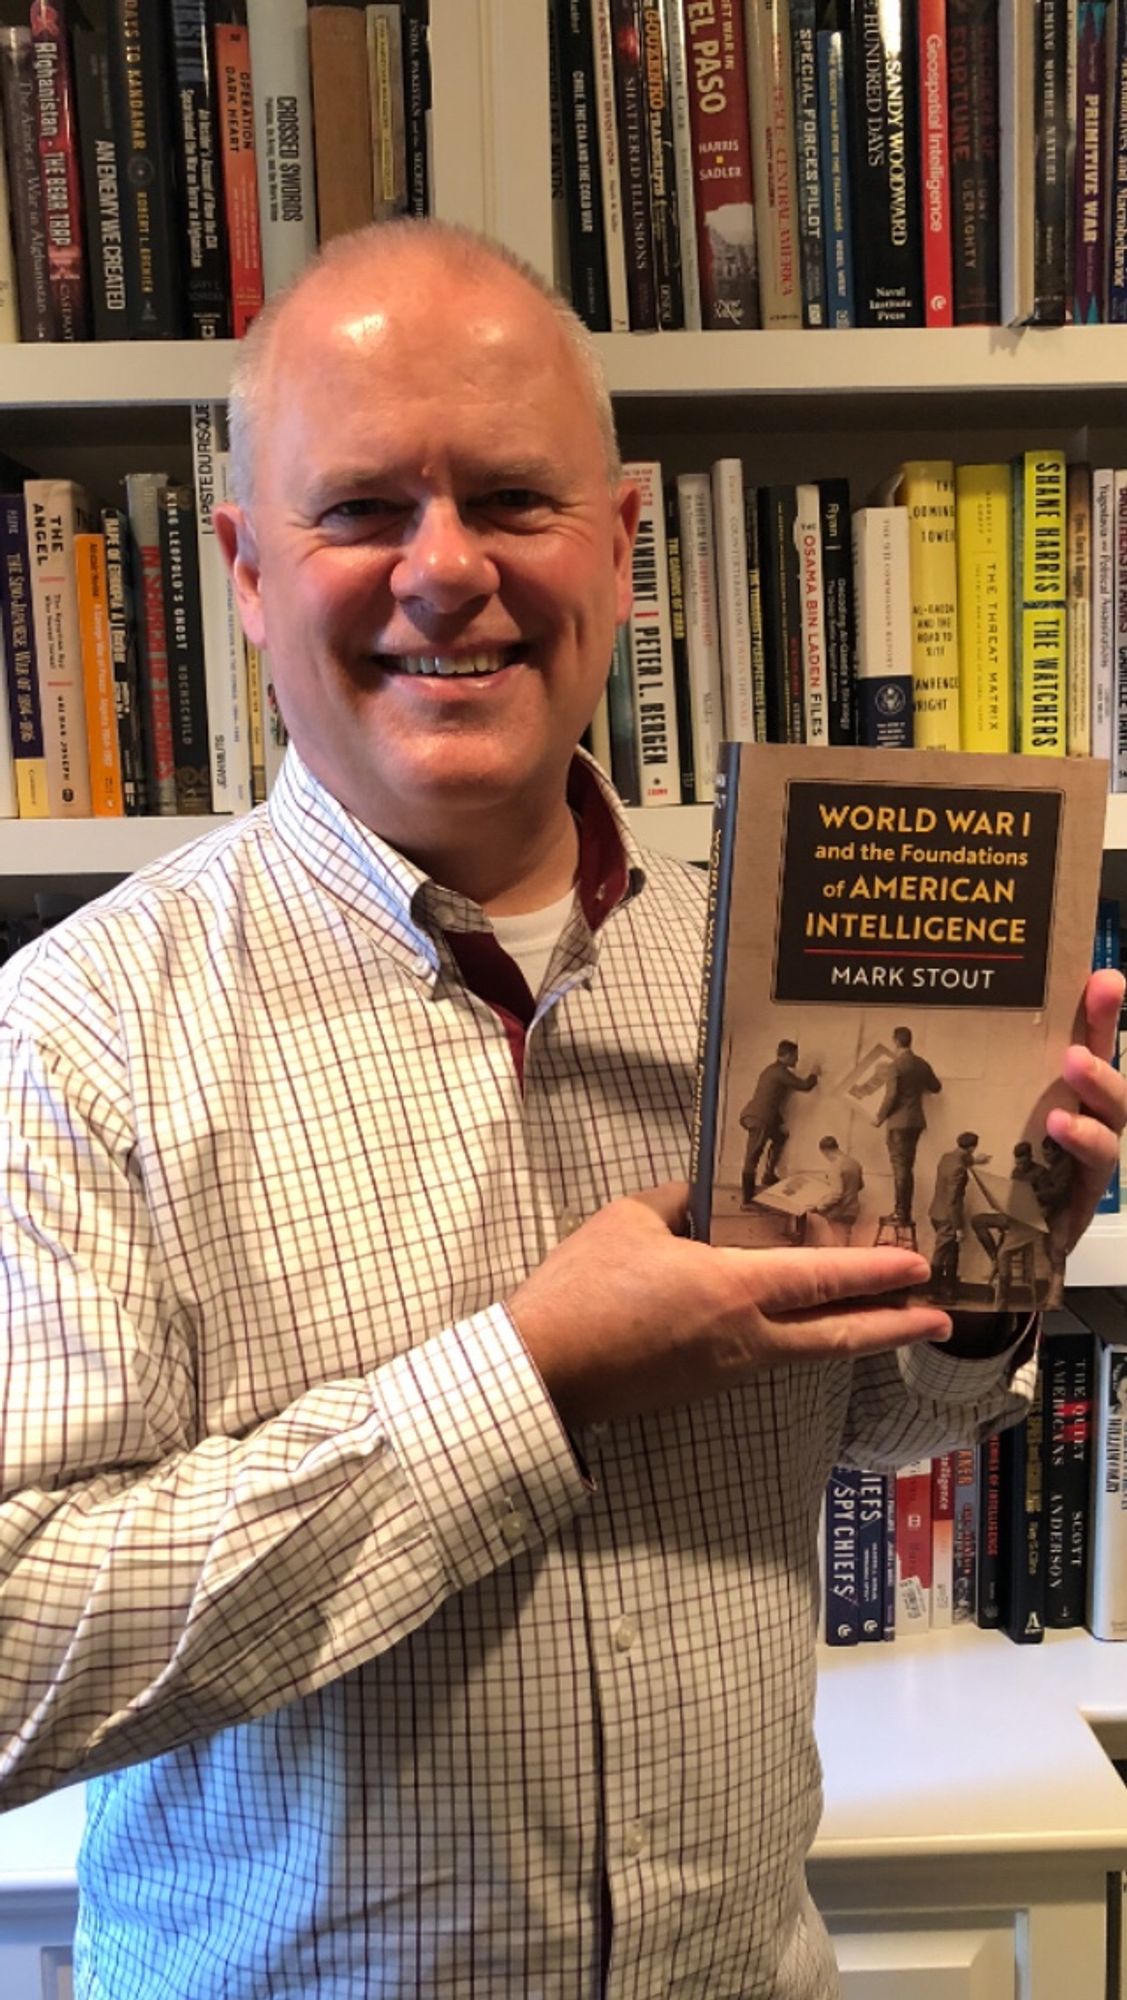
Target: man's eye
[(366, 507), (515, 499)]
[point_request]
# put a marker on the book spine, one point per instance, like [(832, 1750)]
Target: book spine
[(1068, 1361), (623, 708), (882, 596), (808, 166), (597, 738), (1078, 623), (841, 632), (679, 87), (913, 1547), (283, 137), (1051, 288), (103, 756), (927, 488), (610, 182), (17, 628), (59, 171), (1089, 264), (1022, 1565), (723, 180), (983, 548), (180, 583), (225, 677), (416, 116), (142, 493), (256, 714), (571, 21), (9, 797), (943, 1541), (681, 686), (1017, 151), (56, 511), (143, 126), (843, 1611), (342, 121), (935, 165), (888, 1595), (235, 103), (123, 654), (837, 197), (651, 642), (972, 98), (771, 95), (1107, 951), (9, 303), (17, 83), (629, 94), (662, 167), (702, 626), (1115, 193), (105, 250), (728, 515), (755, 616), (1103, 615), (812, 614), (710, 1034), (965, 1539), (881, 55), (1107, 1570), (782, 614), (870, 1556), (197, 121), (385, 85), (988, 1603), (1044, 614)]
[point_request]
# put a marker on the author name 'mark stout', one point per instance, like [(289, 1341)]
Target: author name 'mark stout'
[(948, 901)]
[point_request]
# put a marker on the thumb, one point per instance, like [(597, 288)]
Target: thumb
[(669, 1203)]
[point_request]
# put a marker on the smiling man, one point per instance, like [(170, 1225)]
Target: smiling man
[(409, 1531)]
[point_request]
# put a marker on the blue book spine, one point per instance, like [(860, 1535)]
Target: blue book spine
[(842, 1557), (1106, 952), (1116, 192), (833, 146), (870, 1556)]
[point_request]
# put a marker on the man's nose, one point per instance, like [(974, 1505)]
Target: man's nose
[(443, 563)]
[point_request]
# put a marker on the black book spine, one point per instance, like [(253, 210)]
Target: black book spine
[(884, 109), (840, 618), (710, 1039), (123, 651), (1022, 1578), (575, 68), (180, 580), (1067, 1451), (682, 694), (416, 103), (782, 629), (196, 120), (988, 1603), (139, 72), (1051, 180), (662, 166), (101, 193), (972, 90), (804, 63), (629, 98), (29, 232)]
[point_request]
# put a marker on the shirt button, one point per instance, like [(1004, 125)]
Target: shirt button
[(513, 1527), (634, 1837), (624, 1635)]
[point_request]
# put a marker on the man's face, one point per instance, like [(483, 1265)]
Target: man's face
[(431, 494)]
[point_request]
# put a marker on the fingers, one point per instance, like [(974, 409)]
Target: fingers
[(669, 1202), (1103, 998), (861, 1330), (792, 1280), (1101, 1089)]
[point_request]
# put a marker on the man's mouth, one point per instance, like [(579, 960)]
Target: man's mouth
[(475, 666)]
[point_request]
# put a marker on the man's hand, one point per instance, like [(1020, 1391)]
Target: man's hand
[(1091, 1135), (628, 1315)]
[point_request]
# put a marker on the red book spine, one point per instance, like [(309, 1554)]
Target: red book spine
[(240, 174), (935, 166), (722, 176), (157, 692), (59, 170)]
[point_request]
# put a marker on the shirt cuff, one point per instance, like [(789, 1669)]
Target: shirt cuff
[(966, 1376), (479, 1438)]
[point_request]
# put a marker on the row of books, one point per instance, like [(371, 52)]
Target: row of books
[(838, 163), (129, 686), (1024, 1533), (166, 166), (975, 607)]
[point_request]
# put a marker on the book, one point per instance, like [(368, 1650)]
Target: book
[(1067, 1360), (1022, 1564), (142, 500), (935, 165), (925, 488), (575, 69), (681, 688), (274, 737), (702, 626), (416, 115), (1106, 1313), (283, 137), (771, 95), (1115, 192), (198, 123), (661, 163), (987, 1603), (651, 644), (943, 1541), (812, 613), (235, 104), (1078, 620), (964, 1567), (57, 510), (1107, 950), (342, 128), (225, 661), (105, 248), (883, 601), (737, 668), (622, 705), (1051, 275), (913, 1547), (842, 1611), (680, 118), (610, 182), (139, 57), (727, 245), (59, 170), (808, 161), (1102, 644), (9, 798), (384, 25), (872, 1504), (1119, 632), (29, 231), (983, 560), (756, 632), (834, 151), (880, 54), (1089, 262), (103, 754), (121, 608), (898, 947), (1041, 637), (839, 613), (187, 684), (972, 100), (782, 613), (1017, 154), (633, 165), (17, 628)]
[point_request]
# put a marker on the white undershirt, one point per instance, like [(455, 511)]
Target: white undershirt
[(531, 937)]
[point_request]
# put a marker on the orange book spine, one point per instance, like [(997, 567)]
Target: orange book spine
[(240, 172), (107, 799)]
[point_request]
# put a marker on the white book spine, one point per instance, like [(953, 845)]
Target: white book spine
[(883, 592), (812, 611), (224, 662), (1119, 721), (613, 229), (1107, 1570), (680, 86), (1103, 613), (702, 628), (9, 801), (9, 301), (283, 137), (56, 509), (599, 734), (771, 95), (730, 530), (1078, 680), (651, 645)]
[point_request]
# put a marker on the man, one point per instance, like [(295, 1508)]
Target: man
[(947, 1213), (902, 1114), (1052, 1184), (842, 1204), (414, 1522), (762, 1115)]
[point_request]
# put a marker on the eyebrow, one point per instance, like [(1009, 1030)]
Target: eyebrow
[(349, 482)]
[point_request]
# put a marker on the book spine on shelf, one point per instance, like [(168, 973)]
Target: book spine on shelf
[(283, 137), (623, 708), (943, 1541), (729, 525), (841, 632), (808, 166), (59, 171), (679, 88), (1044, 605), (197, 123), (342, 125), (633, 166), (935, 165), (913, 1547), (1068, 1363), (1119, 633), (651, 644), (575, 69), (610, 181), (385, 90), (771, 102), (17, 627), (681, 686), (1051, 287), (1017, 160), (235, 98), (1022, 1579), (1115, 189), (139, 69), (782, 614), (256, 717), (1090, 190), (983, 548), (1103, 615), (121, 609), (57, 510), (881, 57), (702, 627), (1107, 1569), (1107, 951), (9, 797), (755, 615), (965, 1540), (988, 1604), (142, 499), (888, 1595), (812, 613), (842, 1614), (661, 158), (837, 197), (1078, 668), (225, 663), (18, 93), (870, 1556), (972, 98), (105, 248), (180, 580), (926, 489), (103, 755), (882, 595), (721, 854), (723, 181), (416, 112)]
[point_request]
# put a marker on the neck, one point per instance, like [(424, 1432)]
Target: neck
[(506, 870)]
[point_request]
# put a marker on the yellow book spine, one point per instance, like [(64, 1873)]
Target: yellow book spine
[(256, 716), (1044, 617), (103, 754), (31, 787), (984, 552), (927, 490)]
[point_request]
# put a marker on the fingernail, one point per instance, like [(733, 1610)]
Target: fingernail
[(942, 1329)]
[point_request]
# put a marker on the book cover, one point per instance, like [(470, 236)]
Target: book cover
[(935, 165), (105, 249), (729, 515), (972, 103), (1106, 1313), (984, 560), (59, 170), (342, 126), (1067, 1360), (417, 114), (881, 59), (651, 643), (1103, 614), (899, 945), (17, 628), (235, 103), (727, 246), (1115, 192), (103, 755), (143, 127), (142, 500), (808, 162), (283, 137), (943, 1540), (57, 510), (198, 119), (1051, 276), (657, 108), (925, 488), (771, 95), (18, 96), (575, 69), (882, 595)]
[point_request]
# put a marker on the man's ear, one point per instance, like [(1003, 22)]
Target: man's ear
[(234, 531), (628, 507)]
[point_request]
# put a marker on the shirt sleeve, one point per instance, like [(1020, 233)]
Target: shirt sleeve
[(156, 1584), (919, 1401)]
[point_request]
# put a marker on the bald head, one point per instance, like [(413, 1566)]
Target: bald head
[(362, 274)]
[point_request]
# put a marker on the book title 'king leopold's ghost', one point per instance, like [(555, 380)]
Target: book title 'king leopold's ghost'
[(897, 949)]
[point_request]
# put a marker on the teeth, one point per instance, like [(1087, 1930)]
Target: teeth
[(470, 663)]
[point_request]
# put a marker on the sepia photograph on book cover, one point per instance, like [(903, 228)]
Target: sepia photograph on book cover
[(895, 960)]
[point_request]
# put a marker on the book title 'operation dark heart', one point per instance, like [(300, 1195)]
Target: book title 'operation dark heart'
[(897, 948)]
